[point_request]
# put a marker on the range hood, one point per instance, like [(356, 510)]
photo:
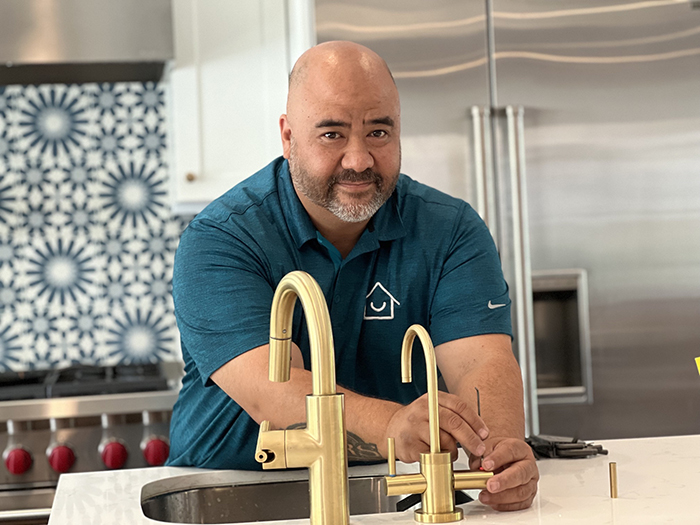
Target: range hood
[(77, 41)]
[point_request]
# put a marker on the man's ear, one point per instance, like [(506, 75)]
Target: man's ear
[(286, 134)]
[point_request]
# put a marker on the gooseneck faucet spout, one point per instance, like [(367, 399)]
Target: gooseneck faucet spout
[(437, 481), (322, 445), (302, 285), (431, 369)]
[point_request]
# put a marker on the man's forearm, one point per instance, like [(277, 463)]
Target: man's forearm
[(486, 362), (501, 395), (366, 419), (283, 404)]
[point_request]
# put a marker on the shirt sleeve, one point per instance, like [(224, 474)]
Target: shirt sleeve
[(471, 297), (222, 296)]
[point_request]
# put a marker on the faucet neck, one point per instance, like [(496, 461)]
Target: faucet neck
[(301, 285), (431, 370)]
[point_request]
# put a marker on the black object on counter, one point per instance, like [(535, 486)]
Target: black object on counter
[(562, 447)]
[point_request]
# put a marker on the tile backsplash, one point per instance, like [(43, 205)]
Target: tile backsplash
[(86, 237)]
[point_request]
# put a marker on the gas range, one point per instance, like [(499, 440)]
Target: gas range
[(81, 381), (79, 419)]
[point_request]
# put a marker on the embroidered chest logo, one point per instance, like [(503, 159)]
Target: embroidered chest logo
[(380, 303)]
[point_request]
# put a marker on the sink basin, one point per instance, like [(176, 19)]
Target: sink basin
[(241, 502)]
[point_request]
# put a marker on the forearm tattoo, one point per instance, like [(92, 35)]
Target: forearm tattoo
[(358, 449)]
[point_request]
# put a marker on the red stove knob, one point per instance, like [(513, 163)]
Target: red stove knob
[(156, 452), (61, 458), (114, 455), (18, 461)]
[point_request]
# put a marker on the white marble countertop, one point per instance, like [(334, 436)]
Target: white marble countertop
[(659, 482)]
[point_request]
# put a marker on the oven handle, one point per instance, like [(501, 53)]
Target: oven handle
[(18, 516)]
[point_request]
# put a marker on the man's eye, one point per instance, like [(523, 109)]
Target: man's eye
[(378, 133), (331, 135)]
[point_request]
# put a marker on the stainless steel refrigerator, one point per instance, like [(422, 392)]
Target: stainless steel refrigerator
[(574, 129)]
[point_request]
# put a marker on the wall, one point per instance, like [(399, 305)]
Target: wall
[(86, 238)]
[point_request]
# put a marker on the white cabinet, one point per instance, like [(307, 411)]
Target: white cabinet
[(228, 87)]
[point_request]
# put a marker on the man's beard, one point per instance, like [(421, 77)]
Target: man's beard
[(326, 195)]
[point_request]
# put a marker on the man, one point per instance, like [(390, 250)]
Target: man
[(387, 252)]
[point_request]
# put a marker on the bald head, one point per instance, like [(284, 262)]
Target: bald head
[(336, 52), (341, 66)]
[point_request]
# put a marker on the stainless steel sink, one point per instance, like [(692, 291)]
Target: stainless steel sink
[(238, 503)]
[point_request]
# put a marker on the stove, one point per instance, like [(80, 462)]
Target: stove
[(79, 419), (81, 381)]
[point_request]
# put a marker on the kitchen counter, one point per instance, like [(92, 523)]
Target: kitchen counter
[(658, 483)]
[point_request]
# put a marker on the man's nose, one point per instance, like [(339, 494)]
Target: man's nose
[(357, 157)]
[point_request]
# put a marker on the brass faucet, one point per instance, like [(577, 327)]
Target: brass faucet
[(322, 446), (436, 481)]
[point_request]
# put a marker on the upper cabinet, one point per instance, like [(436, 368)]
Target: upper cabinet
[(228, 87)]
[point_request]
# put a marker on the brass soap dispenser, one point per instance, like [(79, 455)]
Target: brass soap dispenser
[(436, 481)]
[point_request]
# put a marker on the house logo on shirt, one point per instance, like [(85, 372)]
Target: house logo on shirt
[(380, 303)]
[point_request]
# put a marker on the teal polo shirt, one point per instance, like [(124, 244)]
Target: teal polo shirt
[(424, 257)]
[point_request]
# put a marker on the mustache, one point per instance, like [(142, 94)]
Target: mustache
[(368, 175)]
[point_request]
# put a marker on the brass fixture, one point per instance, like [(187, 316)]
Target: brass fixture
[(322, 445), (436, 481), (612, 467)]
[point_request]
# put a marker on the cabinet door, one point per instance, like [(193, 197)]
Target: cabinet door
[(228, 89)]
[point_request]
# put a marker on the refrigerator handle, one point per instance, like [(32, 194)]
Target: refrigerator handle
[(483, 166), (522, 269)]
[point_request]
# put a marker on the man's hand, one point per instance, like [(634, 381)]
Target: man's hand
[(458, 424), (515, 483)]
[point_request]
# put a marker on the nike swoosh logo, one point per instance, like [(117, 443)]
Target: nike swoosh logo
[(494, 306)]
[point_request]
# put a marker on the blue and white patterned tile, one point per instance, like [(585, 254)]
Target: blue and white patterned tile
[(10, 348), (53, 121), (86, 239), (139, 335)]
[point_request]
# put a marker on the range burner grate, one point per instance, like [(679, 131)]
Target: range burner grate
[(22, 385), (81, 380)]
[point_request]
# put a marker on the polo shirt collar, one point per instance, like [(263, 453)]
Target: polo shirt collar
[(386, 225)]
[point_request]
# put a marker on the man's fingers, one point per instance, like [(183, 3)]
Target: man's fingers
[(517, 475), (514, 506), (458, 424), (521, 468), (467, 413), (514, 495), (409, 427), (474, 462), (512, 499), (452, 423), (409, 446), (448, 444), (506, 452), (515, 485)]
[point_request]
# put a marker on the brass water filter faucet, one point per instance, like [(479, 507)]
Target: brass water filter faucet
[(436, 481), (322, 445)]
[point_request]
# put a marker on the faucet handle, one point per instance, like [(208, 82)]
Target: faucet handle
[(391, 456), (262, 455), (270, 449)]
